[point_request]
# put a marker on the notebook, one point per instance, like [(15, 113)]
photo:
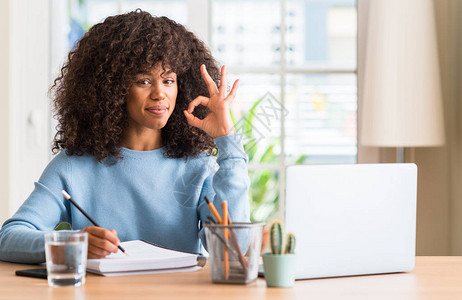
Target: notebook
[(352, 219), (144, 258)]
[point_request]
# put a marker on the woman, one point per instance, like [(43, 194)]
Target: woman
[(140, 120)]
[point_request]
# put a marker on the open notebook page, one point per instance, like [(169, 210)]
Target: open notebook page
[(142, 256)]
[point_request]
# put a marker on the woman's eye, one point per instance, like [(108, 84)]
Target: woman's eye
[(143, 82), (169, 81)]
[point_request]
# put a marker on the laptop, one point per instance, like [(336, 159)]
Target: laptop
[(352, 219)]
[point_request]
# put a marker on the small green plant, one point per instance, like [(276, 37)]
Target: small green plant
[(276, 237), (290, 244)]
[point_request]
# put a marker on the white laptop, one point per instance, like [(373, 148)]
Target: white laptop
[(352, 219)]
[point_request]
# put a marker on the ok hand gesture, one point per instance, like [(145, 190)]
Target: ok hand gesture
[(218, 122)]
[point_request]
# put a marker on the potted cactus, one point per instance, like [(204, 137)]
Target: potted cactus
[(280, 264)]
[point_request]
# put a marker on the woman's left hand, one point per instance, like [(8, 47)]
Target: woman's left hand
[(218, 122)]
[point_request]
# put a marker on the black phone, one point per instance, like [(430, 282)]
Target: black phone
[(37, 273)]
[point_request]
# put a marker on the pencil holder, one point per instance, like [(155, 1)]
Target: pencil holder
[(234, 251)]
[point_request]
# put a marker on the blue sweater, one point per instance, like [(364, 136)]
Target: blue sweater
[(145, 196)]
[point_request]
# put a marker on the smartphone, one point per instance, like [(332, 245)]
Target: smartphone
[(37, 273)]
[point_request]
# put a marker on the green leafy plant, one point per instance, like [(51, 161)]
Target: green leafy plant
[(276, 238), (63, 226), (264, 186)]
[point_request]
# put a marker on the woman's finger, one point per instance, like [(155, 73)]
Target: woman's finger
[(102, 244), (95, 252), (212, 87), (196, 102), (102, 238), (233, 92), (223, 83), (192, 119), (108, 234)]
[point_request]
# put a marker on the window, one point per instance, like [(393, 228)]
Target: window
[(302, 80), (297, 101)]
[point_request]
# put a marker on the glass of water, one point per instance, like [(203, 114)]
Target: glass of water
[(66, 257)]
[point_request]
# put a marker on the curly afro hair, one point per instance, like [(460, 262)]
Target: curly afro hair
[(90, 94)]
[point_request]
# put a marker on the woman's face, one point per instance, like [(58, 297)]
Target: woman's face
[(151, 99)]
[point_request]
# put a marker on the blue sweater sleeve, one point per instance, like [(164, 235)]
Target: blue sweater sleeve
[(230, 182), (22, 236)]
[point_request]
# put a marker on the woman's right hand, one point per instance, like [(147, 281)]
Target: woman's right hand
[(101, 242)]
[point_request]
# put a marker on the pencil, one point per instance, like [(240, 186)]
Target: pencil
[(214, 210), (68, 197), (233, 234), (236, 245), (225, 233)]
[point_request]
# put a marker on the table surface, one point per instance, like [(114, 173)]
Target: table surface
[(434, 277)]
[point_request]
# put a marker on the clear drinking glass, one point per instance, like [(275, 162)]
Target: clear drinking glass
[(66, 257), (234, 251)]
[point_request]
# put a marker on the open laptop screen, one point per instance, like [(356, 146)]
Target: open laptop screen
[(352, 219)]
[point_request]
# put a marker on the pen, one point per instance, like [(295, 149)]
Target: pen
[(68, 197)]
